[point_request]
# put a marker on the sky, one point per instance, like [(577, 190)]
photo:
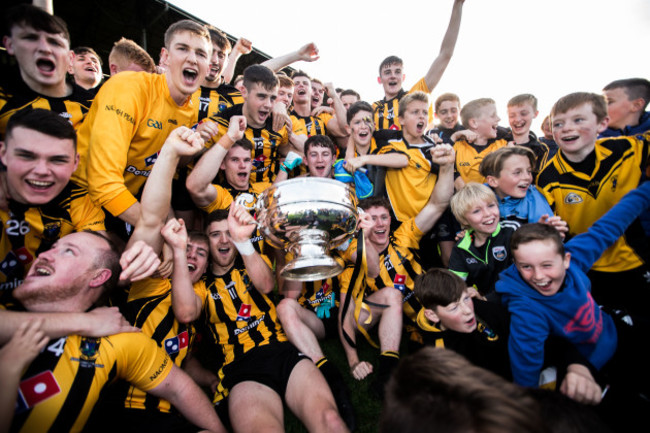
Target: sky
[(506, 47)]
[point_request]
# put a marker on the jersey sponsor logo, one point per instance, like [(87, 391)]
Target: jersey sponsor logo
[(244, 313), (23, 255), (463, 164), (259, 161), (172, 121), (120, 113), (160, 370), (10, 285), (471, 261), (251, 325), (134, 170), (151, 159), (9, 263), (499, 253), (572, 198), (36, 389), (175, 344), (399, 282), (216, 296), (152, 123), (66, 115)]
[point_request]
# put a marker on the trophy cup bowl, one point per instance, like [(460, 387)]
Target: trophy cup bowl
[(308, 216)]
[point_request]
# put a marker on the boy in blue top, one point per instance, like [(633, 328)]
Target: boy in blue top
[(547, 291)]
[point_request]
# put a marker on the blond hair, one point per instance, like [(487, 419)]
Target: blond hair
[(471, 194), (472, 109)]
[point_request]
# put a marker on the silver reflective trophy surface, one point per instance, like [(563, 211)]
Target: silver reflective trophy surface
[(308, 216)]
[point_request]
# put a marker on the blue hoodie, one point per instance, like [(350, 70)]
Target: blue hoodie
[(524, 210), (571, 313), (643, 126)]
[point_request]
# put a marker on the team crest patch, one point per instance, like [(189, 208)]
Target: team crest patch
[(614, 182), (499, 253), (52, 230), (244, 313), (572, 198), (89, 348)]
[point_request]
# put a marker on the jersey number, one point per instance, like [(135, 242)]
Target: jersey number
[(15, 228), (57, 347)]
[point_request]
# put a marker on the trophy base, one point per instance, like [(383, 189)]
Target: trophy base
[(311, 269)]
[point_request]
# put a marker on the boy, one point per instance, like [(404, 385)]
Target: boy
[(447, 109), (86, 68), (480, 117), (522, 109), (40, 156), (584, 180), (626, 101), (391, 76), (42, 82), (132, 116), (547, 292)]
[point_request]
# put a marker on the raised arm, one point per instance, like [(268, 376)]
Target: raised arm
[(242, 47), (307, 53), (444, 156), (434, 74), (199, 181)]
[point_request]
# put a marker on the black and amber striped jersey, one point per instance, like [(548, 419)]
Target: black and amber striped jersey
[(210, 102), (409, 188), (238, 316), (60, 387), (149, 307), (266, 144), (386, 113), (469, 157), (399, 266), (29, 230), (310, 125), (19, 96), (582, 198)]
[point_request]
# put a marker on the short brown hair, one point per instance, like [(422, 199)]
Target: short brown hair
[(536, 232), (186, 26), (524, 98), (370, 202), (219, 38), (493, 162), (126, 51), (410, 97), (284, 80), (574, 100), (472, 109), (446, 97), (36, 18), (438, 288)]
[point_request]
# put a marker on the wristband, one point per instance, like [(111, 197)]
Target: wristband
[(284, 167), (245, 248)]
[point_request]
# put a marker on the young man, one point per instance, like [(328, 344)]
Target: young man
[(126, 55), (261, 89), (391, 75), (584, 180), (86, 68), (349, 97), (40, 42), (44, 205), (132, 116), (71, 278), (261, 369), (379, 300)]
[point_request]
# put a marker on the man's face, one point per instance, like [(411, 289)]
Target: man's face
[(218, 62), (186, 63), (541, 266), (457, 316), (39, 166), (380, 232), (619, 108), (361, 128), (317, 93), (448, 114), (319, 161), (86, 69), (521, 118), (222, 250), (59, 275), (575, 131), (197, 258), (391, 78), (415, 118), (348, 100), (303, 92), (487, 121), (237, 166), (42, 57), (285, 95), (258, 102)]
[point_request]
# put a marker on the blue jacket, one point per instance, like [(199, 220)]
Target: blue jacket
[(571, 313), (643, 126), (526, 209)]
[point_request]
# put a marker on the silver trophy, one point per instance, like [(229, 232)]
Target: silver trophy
[(308, 216)]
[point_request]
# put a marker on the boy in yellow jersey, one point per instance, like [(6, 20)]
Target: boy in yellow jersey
[(380, 300), (391, 75), (44, 204), (133, 114), (262, 369), (40, 43), (71, 278), (584, 180), (480, 118)]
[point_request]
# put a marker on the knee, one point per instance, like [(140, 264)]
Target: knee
[(332, 419), (286, 310), (392, 297)]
